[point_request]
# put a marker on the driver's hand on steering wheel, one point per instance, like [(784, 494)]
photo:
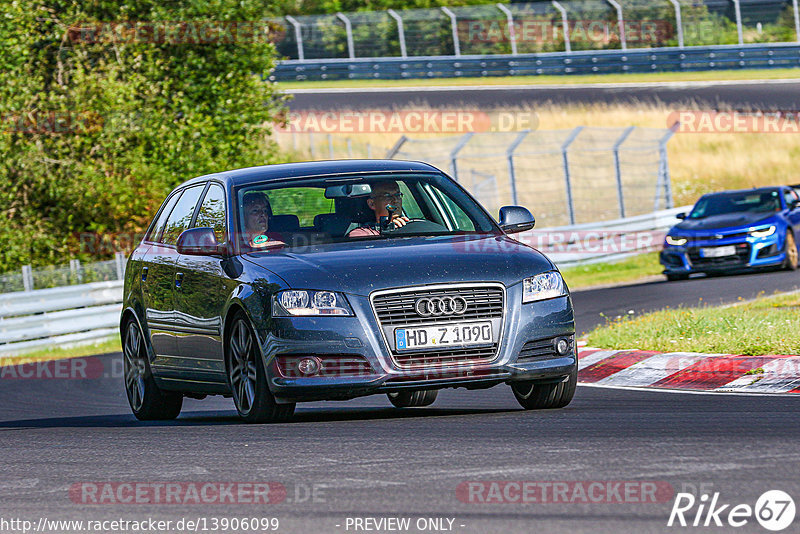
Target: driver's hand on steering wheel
[(399, 222)]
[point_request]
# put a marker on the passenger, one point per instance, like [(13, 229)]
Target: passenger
[(257, 213), (383, 194)]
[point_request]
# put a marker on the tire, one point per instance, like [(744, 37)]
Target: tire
[(533, 396), (147, 401), (247, 377), (791, 261), (676, 277), (413, 399)]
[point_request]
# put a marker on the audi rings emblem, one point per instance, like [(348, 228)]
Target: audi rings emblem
[(438, 306)]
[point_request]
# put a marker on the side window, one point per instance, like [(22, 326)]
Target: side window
[(181, 216), (212, 212), (155, 231), (791, 197)]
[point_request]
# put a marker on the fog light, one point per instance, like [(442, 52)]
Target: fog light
[(562, 346), (309, 366)]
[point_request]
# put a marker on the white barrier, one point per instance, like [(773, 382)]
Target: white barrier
[(68, 315), (583, 244)]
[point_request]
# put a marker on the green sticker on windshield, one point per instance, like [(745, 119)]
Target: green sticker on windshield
[(259, 239)]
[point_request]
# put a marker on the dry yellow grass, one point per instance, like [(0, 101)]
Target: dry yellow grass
[(699, 163)]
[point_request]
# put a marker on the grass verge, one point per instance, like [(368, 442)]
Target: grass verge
[(59, 353), (767, 325), (628, 270), (703, 76)]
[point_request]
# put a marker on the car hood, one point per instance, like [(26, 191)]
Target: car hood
[(363, 266), (728, 220)]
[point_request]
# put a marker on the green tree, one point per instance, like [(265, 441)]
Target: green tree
[(100, 122)]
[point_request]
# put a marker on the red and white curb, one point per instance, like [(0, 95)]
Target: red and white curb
[(689, 370)]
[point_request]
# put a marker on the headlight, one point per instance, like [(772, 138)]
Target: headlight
[(763, 232), (543, 286), (676, 240), (298, 302)]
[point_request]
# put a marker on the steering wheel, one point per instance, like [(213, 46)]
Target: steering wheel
[(416, 226)]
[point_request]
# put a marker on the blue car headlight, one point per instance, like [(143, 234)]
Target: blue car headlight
[(763, 232), (676, 240), (301, 302), (543, 286)]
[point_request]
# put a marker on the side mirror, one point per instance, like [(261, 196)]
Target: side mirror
[(680, 216), (199, 242), (515, 219)]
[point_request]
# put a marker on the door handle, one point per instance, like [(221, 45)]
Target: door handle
[(178, 280), (144, 273)]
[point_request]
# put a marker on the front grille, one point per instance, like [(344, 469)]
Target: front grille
[(398, 308), (741, 257), (444, 357)]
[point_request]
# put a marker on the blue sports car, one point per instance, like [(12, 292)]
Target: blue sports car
[(735, 231)]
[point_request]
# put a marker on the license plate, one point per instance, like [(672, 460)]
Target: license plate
[(456, 334), (718, 252)]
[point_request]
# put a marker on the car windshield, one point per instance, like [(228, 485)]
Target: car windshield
[(722, 203), (327, 210)]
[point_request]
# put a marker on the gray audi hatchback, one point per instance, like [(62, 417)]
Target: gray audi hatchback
[(332, 280)]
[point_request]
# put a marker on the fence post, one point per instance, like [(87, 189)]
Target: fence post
[(512, 33), (663, 167), (568, 185), (330, 146), (679, 21), (401, 32), (349, 148), (75, 271), (565, 24), (295, 145), (512, 175), (796, 19), (311, 145), (392, 151), (298, 36), (369, 151), (621, 22), (618, 169), (738, 10), (27, 278), (454, 29), (454, 154), (119, 262), (348, 28)]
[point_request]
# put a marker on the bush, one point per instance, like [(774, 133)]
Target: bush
[(98, 126)]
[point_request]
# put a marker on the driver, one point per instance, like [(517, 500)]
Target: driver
[(257, 213), (384, 194)]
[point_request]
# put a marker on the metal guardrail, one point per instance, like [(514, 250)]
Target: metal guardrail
[(583, 244), (778, 55), (61, 316)]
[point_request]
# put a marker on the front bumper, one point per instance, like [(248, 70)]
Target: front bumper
[(359, 337), (751, 254)]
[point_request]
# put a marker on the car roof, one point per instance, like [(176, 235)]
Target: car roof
[(768, 189), (284, 171)]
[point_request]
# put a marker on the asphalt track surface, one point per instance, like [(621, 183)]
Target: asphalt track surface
[(761, 95), (366, 459)]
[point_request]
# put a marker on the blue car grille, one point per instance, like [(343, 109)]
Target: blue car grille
[(741, 257)]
